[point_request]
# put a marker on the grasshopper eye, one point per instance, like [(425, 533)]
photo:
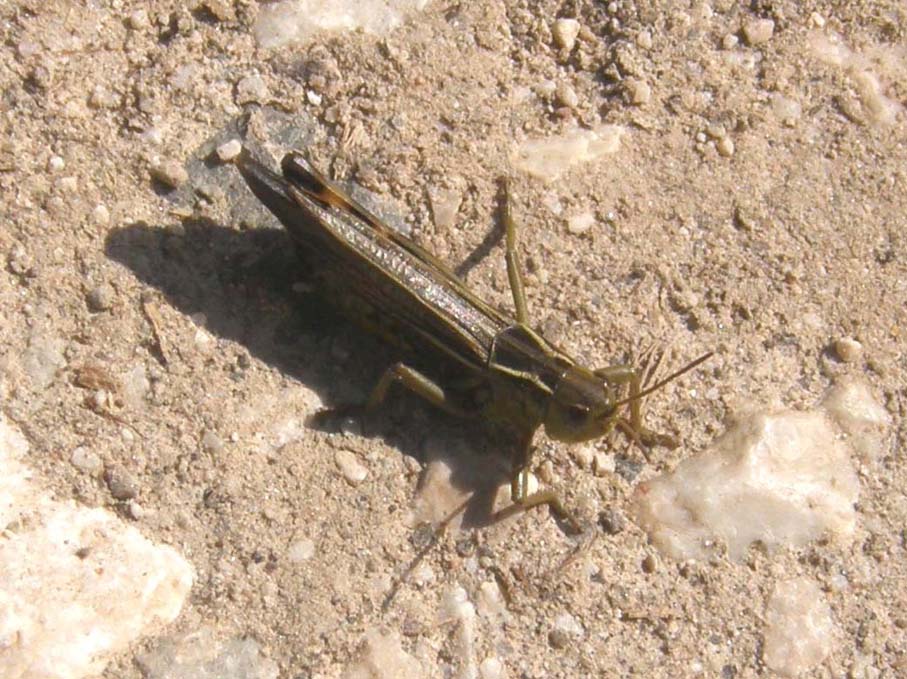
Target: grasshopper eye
[(576, 414)]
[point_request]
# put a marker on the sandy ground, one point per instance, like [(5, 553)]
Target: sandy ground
[(755, 208)]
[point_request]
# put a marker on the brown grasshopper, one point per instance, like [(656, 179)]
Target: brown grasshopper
[(496, 367)]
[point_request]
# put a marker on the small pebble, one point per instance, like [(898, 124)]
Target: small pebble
[(101, 97), (121, 483), (603, 464), (251, 89), (86, 461), (170, 173), (350, 467), (649, 564), (725, 146), (716, 131), (558, 639), (566, 630), (583, 455), (644, 40), (848, 350), (611, 521), (229, 150), (100, 298), (69, 184), (787, 110), (138, 19), (55, 164), (491, 668), (100, 215), (301, 550), (758, 31), (566, 95), (581, 223), (212, 443), (564, 32), (730, 41), (639, 92), (313, 97), (135, 510)]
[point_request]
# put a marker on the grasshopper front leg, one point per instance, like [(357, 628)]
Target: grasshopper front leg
[(633, 427), (524, 500)]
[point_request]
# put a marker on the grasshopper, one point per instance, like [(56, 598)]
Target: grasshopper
[(495, 367)]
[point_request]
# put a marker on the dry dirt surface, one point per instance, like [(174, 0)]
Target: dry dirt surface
[(756, 207)]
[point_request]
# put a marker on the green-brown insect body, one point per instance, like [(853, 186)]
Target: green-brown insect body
[(503, 371)]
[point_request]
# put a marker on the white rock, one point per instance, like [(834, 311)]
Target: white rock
[(564, 33), (43, 359), (779, 478), (201, 655), (785, 109), (852, 406), (492, 668), (848, 349), (352, 470), (799, 629), (229, 150), (87, 461), (491, 603), (603, 464), (444, 206), (548, 158), (581, 223), (456, 607), (758, 31), (382, 657), (78, 586), (297, 21), (301, 550)]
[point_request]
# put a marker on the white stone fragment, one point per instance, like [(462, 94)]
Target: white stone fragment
[(200, 655), (548, 158), (564, 33), (758, 31), (492, 668), (229, 150), (491, 603), (854, 409), (785, 109), (301, 550), (78, 585), (799, 629), (604, 464), (457, 608), (297, 21), (87, 461), (867, 74), (352, 470), (382, 657), (43, 359), (581, 223), (778, 478), (445, 203)]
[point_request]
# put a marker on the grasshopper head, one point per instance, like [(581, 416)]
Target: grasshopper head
[(583, 407)]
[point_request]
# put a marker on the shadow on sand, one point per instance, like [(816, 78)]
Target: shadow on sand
[(243, 282)]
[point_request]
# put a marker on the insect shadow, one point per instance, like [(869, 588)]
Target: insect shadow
[(251, 287)]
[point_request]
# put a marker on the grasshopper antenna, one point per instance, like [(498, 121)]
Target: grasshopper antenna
[(670, 378)]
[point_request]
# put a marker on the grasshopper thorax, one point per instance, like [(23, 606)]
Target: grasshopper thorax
[(582, 407)]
